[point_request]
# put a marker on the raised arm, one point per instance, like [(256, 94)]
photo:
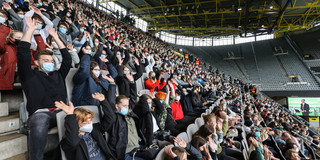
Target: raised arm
[(23, 51)]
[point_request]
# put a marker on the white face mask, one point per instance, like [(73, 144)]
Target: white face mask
[(221, 119), (87, 128), (96, 73), (2, 20), (178, 98), (297, 150)]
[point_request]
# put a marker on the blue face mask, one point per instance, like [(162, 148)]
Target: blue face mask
[(21, 16), (126, 72), (162, 101), (47, 67), (257, 134), (40, 27), (146, 53), (81, 30), (118, 56), (124, 111), (90, 22), (89, 52), (63, 30), (150, 105), (40, 4), (103, 56)]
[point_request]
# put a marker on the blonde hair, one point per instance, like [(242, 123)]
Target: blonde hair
[(10, 35), (81, 114)]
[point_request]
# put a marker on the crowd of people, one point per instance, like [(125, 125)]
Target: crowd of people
[(42, 40)]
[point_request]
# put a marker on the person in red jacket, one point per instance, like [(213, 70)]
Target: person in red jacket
[(8, 60), (152, 82)]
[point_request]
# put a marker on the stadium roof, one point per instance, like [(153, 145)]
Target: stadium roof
[(206, 18)]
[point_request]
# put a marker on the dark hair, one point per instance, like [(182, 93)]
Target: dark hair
[(36, 16), (197, 142), (120, 98), (37, 55), (64, 24), (204, 131), (4, 12), (92, 65)]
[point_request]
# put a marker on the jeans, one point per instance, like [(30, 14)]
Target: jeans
[(39, 125), (128, 157)]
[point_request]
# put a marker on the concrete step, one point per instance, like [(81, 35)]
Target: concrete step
[(9, 123), (22, 156), (12, 145), (4, 109), (13, 97)]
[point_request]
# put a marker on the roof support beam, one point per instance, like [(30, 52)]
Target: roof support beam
[(280, 15)]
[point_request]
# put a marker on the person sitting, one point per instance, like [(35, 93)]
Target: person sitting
[(152, 83), (180, 152), (89, 80), (83, 139), (50, 87), (122, 80)]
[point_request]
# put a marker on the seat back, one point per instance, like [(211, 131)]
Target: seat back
[(199, 122), (144, 91), (162, 154), (60, 123), (69, 82), (192, 128), (184, 136)]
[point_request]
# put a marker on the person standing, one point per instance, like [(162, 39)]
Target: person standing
[(304, 108)]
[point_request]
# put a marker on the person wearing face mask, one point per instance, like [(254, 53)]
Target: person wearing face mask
[(152, 83), (150, 60), (125, 131), (16, 16), (124, 80), (40, 19), (89, 80), (8, 60), (50, 86), (84, 140), (177, 113), (68, 31), (148, 109)]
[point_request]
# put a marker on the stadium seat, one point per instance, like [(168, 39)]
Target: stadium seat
[(184, 136), (161, 155), (69, 82), (192, 128), (199, 122), (144, 91), (60, 123)]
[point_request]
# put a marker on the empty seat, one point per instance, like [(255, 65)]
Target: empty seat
[(192, 128), (69, 82), (199, 122), (162, 154)]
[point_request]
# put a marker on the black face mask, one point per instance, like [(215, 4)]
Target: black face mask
[(17, 41), (153, 77)]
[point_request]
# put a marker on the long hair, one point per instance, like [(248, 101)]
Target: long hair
[(92, 66)]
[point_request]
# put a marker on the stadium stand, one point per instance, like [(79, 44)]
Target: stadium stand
[(107, 90)]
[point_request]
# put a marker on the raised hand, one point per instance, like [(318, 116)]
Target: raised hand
[(104, 59), (254, 142), (180, 142), (31, 23), (70, 47), (211, 144), (37, 11), (169, 152), (109, 79), (98, 96), (68, 109), (53, 33), (6, 6), (219, 125), (152, 95), (136, 61)]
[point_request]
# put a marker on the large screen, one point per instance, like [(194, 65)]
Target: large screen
[(294, 104)]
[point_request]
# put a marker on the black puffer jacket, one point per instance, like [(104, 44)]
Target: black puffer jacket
[(145, 117)]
